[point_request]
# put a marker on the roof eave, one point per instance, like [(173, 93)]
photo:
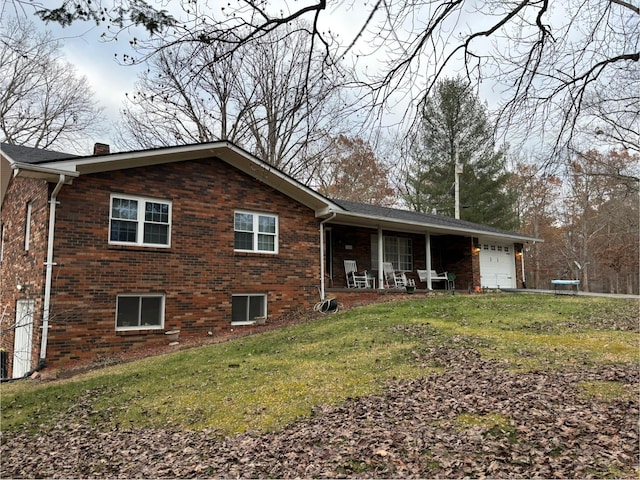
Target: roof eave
[(27, 170), (224, 150), (373, 221)]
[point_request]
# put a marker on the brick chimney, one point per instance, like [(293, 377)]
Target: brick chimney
[(101, 149)]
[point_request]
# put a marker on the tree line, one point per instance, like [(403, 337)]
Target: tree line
[(279, 96)]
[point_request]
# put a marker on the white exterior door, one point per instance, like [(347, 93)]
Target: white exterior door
[(22, 343), (497, 265)]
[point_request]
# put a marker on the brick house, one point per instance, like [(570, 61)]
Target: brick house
[(105, 253)]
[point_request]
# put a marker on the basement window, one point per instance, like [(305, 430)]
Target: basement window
[(246, 307), (137, 312)]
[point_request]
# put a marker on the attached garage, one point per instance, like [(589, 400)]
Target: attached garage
[(497, 265)]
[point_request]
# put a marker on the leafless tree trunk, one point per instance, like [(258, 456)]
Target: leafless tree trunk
[(602, 216), (538, 212), (263, 99)]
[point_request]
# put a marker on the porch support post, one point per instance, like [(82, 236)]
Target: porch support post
[(427, 243), (322, 255), (380, 259), (322, 261), (522, 267)]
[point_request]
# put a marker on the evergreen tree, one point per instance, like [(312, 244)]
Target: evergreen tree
[(454, 127)]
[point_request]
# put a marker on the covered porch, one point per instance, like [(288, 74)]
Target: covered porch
[(431, 251), (430, 261)]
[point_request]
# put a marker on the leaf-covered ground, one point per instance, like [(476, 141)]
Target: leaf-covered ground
[(474, 419)]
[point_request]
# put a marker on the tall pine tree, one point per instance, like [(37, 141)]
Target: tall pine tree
[(455, 126)]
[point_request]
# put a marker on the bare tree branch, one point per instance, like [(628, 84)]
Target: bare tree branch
[(544, 58), (43, 103)]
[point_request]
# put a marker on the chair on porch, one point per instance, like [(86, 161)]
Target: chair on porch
[(393, 277), (435, 277), (355, 279), (451, 281)]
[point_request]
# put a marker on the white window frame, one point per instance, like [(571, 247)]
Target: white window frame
[(141, 296), (248, 296), (256, 232), (27, 228), (140, 220), (394, 257), (2, 236)]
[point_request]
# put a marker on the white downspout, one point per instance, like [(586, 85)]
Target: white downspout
[(381, 279), (322, 262), (49, 268), (427, 242)]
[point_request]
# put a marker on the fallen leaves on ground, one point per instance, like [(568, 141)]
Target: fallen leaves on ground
[(476, 419)]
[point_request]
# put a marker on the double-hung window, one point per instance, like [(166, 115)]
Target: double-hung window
[(136, 312), (397, 250), (140, 221), (255, 232)]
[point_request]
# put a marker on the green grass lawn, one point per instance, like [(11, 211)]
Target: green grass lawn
[(267, 380)]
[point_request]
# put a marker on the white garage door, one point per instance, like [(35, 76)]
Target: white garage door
[(497, 265)]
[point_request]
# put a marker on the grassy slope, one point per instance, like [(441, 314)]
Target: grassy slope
[(265, 381)]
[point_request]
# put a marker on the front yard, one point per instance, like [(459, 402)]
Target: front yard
[(490, 385)]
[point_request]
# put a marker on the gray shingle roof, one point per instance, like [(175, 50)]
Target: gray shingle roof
[(21, 154), (417, 217), (36, 156)]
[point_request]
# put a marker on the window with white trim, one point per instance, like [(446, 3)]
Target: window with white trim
[(137, 312), (255, 232), (139, 221), (2, 235), (246, 307), (27, 228), (397, 250)]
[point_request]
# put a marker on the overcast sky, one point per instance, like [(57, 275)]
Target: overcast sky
[(96, 59)]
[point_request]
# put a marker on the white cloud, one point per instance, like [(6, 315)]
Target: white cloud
[(96, 60)]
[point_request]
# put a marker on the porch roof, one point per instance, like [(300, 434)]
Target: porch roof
[(373, 216)]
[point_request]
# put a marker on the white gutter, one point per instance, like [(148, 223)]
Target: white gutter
[(322, 262), (49, 271), (381, 279), (410, 226)]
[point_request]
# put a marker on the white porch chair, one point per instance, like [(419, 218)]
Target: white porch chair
[(435, 277), (355, 279), (393, 277)]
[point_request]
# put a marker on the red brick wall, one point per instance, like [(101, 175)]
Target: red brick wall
[(454, 254), (197, 275), (21, 267), (519, 248)]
